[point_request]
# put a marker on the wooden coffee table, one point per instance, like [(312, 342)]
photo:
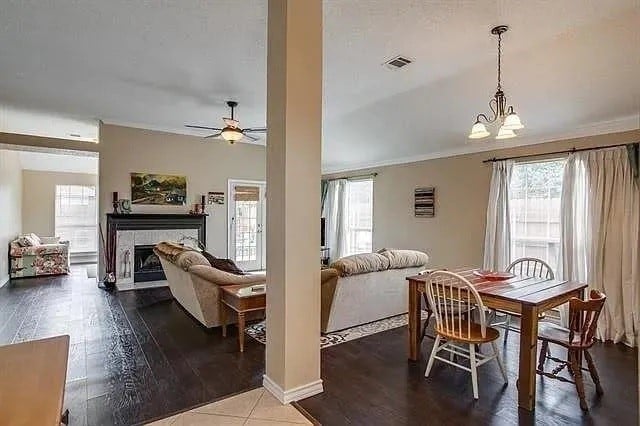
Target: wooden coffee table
[(242, 299)]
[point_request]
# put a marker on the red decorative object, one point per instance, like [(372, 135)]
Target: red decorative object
[(493, 275)]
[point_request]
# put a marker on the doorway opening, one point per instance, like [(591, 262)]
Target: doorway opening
[(246, 224)]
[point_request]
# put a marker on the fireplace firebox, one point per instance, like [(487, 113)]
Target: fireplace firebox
[(146, 265)]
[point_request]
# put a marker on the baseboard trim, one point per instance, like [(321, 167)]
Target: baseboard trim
[(291, 395)]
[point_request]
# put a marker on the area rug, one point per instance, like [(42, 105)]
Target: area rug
[(258, 331)]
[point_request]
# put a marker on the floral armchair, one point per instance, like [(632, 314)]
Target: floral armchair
[(32, 256)]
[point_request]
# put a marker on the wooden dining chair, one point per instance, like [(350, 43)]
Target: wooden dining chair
[(528, 267), (450, 295), (578, 338)]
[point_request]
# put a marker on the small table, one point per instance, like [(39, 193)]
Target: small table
[(242, 299), (527, 296), (32, 382)]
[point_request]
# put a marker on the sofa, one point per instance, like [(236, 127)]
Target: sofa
[(362, 288), (195, 284), (33, 256)]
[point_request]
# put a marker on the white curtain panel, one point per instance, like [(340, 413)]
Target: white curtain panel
[(336, 218), (574, 238), (601, 236), (497, 239)]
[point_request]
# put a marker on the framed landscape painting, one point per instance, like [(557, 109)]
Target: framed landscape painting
[(147, 188)]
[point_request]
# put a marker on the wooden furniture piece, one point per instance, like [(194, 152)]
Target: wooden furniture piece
[(526, 296), (242, 299), (578, 338), (32, 382), (450, 298), (527, 267)]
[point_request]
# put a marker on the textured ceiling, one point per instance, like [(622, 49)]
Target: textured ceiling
[(569, 66)]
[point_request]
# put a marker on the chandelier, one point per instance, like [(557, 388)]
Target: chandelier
[(503, 115)]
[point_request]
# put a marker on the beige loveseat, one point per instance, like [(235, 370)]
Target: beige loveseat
[(195, 284), (367, 287)]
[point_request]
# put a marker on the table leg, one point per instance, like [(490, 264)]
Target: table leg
[(527, 369), (223, 318), (241, 330), (414, 321)]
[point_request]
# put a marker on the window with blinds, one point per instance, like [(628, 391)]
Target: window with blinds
[(76, 217)]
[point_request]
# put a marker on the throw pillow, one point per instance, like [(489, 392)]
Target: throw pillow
[(24, 241), (35, 239), (226, 265)]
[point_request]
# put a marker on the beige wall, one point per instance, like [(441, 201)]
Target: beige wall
[(10, 206), (38, 198), (207, 164), (455, 236)]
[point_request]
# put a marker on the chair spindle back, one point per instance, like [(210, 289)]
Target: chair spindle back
[(531, 267), (583, 317), (451, 297)]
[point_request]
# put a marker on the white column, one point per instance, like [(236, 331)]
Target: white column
[(294, 120)]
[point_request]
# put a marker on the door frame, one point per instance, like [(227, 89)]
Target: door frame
[(231, 212)]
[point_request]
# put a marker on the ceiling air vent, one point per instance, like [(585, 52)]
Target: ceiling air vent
[(398, 62)]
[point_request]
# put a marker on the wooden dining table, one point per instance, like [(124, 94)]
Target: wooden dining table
[(527, 296)]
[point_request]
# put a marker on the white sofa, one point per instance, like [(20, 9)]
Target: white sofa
[(368, 287), (195, 284)]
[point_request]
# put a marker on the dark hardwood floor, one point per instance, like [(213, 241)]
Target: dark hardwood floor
[(134, 356), (137, 356), (370, 382)]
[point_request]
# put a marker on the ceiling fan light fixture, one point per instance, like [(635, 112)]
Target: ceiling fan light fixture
[(478, 131), (505, 133), (231, 134), (512, 122)]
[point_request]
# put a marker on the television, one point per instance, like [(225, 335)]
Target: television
[(322, 232)]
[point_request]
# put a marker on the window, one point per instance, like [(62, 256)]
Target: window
[(359, 209), (76, 217), (535, 190)]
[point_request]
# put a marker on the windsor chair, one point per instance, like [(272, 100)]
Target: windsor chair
[(452, 299), (527, 267), (577, 339)]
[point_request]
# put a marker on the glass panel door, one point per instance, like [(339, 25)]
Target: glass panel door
[(246, 224)]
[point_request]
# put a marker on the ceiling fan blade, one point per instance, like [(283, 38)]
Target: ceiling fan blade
[(255, 129), (202, 127), (254, 139), (231, 122), (215, 135)]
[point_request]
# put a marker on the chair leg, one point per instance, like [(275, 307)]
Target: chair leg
[(507, 324), (496, 352), (426, 324), (474, 372), (432, 357), (577, 376), (544, 350), (594, 372), (570, 362)]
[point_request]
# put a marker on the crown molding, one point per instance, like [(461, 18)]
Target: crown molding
[(623, 124)]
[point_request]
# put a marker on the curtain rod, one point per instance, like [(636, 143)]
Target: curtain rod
[(356, 177), (566, 151)]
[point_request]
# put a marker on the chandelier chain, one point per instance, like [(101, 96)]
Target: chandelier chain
[(499, 61)]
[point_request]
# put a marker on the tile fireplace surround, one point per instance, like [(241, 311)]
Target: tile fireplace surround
[(131, 230)]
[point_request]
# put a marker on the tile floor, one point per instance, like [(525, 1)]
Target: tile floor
[(254, 408)]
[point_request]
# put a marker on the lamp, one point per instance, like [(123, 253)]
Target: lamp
[(478, 131), (505, 133), (231, 134), (503, 115)]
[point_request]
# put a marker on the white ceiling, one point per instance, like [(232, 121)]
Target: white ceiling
[(43, 161), (570, 67)]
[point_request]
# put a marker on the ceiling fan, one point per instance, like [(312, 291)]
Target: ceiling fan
[(231, 132)]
